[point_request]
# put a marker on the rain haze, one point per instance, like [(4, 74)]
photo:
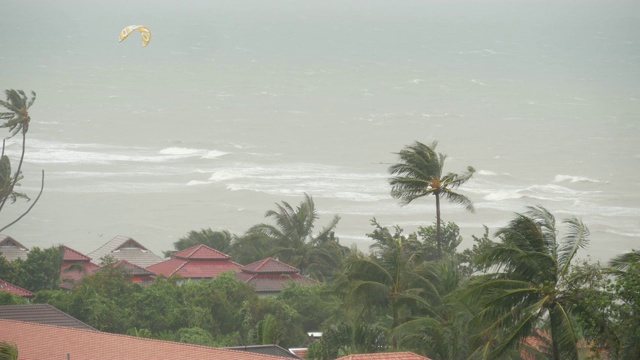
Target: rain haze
[(237, 105)]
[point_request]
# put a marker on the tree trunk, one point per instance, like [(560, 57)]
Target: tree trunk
[(438, 229)]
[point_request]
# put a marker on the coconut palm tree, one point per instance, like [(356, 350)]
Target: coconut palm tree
[(292, 239), (17, 120), (8, 351), (420, 173), (524, 292)]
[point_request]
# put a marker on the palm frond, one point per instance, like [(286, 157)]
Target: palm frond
[(577, 238)]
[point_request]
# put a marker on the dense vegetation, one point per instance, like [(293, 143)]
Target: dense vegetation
[(412, 292)]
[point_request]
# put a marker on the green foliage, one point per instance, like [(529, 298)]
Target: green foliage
[(7, 298), (195, 335), (315, 304), (526, 284), (159, 306), (420, 173), (284, 317), (8, 351), (40, 270), (291, 240), (16, 118), (219, 240)]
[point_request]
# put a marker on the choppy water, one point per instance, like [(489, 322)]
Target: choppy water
[(235, 106)]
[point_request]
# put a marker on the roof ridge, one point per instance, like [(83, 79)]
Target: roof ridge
[(17, 287), (76, 251)]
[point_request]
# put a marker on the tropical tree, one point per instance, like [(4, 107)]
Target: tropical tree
[(420, 173), (17, 120), (523, 292), (292, 241), (8, 351), (219, 240), (627, 288)]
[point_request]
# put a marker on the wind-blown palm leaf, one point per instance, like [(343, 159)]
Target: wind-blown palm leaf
[(420, 173), (577, 238)]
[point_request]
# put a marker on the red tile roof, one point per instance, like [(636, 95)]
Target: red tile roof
[(77, 274), (270, 265), (202, 252), (72, 255), (45, 342), (16, 290), (266, 283), (385, 356), (133, 268), (198, 262)]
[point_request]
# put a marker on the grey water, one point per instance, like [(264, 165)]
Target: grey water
[(238, 105)]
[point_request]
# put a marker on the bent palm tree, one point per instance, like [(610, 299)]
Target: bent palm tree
[(17, 120), (292, 235), (524, 293), (420, 173)]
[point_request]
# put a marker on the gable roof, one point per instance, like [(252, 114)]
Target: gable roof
[(71, 255), (133, 268), (125, 248), (270, 266), (41, 314), (44, 342), (16, 290), (385, 356), (201, 252), (198, 262), (11, 249), (270, 283)]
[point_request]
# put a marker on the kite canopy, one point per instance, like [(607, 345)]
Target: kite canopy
[(146, 34)]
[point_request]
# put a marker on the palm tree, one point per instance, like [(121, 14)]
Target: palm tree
[(292, 236), (420, 173), (17, 120), (524, 292), (8, 351)]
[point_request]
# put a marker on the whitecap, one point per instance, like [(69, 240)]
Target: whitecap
[(486, 173), (179, 151), (574, 179), (212, 154)]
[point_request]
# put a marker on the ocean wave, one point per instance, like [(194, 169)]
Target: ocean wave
[(486, 173), (575, 179)]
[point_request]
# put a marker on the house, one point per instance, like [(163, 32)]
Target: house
[(269, 276), (74, 267), (272, 349), (125, 248), (198, 262), (15, 290), (12, 249), (385, 356), (41, 314), (46, 342), (138, 274)]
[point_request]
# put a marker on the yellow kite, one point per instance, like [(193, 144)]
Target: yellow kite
[(146, 34)]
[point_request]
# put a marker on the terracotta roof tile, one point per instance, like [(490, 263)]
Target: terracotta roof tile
[(273, 282), (385, 356), (45, 342), (41, 314), (16, 290), (270, 265), (133, 268), (72, 255), (194, 269), (77, 274), (201, 252)]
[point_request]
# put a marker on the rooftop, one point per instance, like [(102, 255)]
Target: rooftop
[(45, 342), (41, 314)]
